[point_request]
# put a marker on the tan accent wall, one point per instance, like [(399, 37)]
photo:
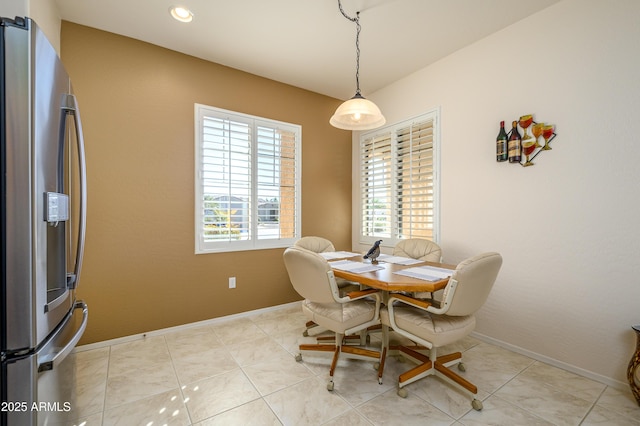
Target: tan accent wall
[(137, 105)]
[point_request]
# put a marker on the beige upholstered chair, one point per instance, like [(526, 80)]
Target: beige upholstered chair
[(421, 249), (418, 248), (315, 244), (321, 245), (312, 277), (437, 326)]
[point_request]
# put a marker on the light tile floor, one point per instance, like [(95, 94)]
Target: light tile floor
[(242, 372)]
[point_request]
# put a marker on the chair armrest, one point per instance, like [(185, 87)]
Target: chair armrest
[(439, 309), (353, 295), (418, 303)]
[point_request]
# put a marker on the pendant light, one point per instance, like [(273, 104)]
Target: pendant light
[(357, 113)]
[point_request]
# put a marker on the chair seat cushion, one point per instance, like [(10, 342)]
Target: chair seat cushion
[(339, 316), (439, 330)]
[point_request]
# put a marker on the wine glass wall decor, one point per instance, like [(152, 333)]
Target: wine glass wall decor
[(535, 138)]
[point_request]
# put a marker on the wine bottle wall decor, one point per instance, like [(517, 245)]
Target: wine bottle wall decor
[(523, 149)]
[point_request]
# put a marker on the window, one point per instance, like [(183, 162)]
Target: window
[(398, 181), (247, 181)]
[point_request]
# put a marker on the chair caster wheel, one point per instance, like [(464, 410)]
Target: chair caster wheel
[(476, 404), (299, 357), (330, 386), (376, 366), (462, 367), (305, 333), (402, 393)]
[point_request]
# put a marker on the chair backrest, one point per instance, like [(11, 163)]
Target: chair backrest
[(475, 277), (418, 248), (308, 272), (315, 244)]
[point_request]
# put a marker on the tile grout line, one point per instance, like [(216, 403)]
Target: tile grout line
[(106, 387), (180, 385), (593, 405)]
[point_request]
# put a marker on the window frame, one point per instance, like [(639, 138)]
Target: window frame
[(253, 242), (366, 238)]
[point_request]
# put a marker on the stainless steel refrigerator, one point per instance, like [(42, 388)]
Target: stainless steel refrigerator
[(43, 226)]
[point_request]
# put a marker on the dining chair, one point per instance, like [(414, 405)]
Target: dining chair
[(315, 244), (322, 245), (437, 324), (312, 277), (420, 249)]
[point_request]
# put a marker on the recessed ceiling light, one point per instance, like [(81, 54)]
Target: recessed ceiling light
[(181, 13)]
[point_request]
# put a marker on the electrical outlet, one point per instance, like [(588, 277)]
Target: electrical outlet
[(232, 282)]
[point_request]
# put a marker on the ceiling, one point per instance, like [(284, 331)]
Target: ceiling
[(308, 43)]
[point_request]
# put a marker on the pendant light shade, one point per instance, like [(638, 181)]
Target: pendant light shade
[(357, 113)]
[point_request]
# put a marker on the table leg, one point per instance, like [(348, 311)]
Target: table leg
[(383, 352)]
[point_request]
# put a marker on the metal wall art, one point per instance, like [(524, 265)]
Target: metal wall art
[(531, 144)]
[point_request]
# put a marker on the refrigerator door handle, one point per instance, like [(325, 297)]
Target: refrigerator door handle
[(71, 107), (51, 360)]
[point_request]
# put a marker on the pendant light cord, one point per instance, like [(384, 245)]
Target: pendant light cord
[(357, 21)]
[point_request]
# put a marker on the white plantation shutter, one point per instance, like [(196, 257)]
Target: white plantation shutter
[(414, 181), (398, 181), (376, 175), (226, 179), (247, 181), (276, 183)]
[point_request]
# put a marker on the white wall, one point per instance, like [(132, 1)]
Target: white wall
[(568, 227), (11, 8), (47, 16), (44, 12)]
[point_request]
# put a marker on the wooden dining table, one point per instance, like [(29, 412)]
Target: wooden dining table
[(386, 280)]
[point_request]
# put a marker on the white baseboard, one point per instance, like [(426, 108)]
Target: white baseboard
[(554, 362), (162, 331)]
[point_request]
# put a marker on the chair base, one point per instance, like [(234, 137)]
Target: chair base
[(405, 351), (351, 352), (362, 338), (308, 326), (431, 366)]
